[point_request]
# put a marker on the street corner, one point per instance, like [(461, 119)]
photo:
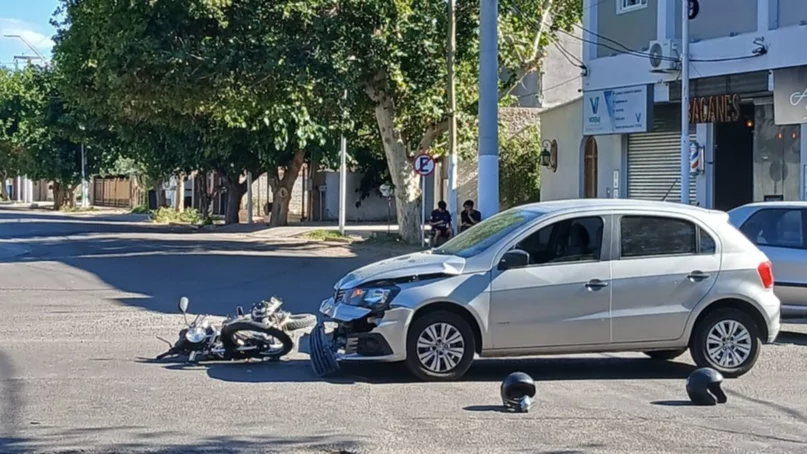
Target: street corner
[(11, 250)]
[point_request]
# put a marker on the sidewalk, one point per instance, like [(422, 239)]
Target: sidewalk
[(362, 230)]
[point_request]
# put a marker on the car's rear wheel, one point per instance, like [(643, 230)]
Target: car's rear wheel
[(440, 347), (727, 340), (666, 355)]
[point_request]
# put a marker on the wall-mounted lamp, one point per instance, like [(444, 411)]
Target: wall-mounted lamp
[(779, 136), (549, 155), (749, 123), (794, 135)]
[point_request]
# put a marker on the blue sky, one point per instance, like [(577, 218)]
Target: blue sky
[(29, 19)]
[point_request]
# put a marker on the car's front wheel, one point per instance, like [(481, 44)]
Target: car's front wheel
[(440, 347), (727, 340)]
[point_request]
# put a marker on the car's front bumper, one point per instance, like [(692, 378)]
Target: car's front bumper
[(359, 336)]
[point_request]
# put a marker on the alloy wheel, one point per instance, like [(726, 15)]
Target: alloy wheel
[(728, 343), (440, 347)]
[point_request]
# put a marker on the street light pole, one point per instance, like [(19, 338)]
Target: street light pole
[(342, 179), (452, 111), (85, 203), (685, 102), (488, 188), (33, 49)]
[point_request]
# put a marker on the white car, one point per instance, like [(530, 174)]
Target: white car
[(779, 229), (573, 276)]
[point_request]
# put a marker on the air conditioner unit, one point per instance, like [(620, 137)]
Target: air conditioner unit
[(664, 56)]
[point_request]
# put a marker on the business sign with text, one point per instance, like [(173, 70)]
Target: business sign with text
[(618, 111), (790, 96)]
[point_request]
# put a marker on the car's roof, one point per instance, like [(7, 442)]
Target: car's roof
[(615, 204), (758, 205)]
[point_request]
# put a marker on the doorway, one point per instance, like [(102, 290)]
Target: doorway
[(590, 169), (734, 161)]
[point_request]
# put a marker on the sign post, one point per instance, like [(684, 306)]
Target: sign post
[(424, 166)]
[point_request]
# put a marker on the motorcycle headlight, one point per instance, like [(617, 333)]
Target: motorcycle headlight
[(195, 335), (375, 298)]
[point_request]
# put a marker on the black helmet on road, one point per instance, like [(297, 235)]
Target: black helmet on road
[(518, 389), (703, 387)]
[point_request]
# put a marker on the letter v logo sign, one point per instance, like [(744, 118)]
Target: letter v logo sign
[(595, 104)]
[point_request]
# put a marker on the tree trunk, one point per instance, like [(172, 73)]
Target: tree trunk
[(281, 190), (179, 196), (3, 189), (159, 195), (58, 195), (205, 197), (406, 181), (235, 193)]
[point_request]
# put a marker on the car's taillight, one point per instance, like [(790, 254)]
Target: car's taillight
[(765, 270)]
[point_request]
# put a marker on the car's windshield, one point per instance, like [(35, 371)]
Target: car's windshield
[(479, 238)]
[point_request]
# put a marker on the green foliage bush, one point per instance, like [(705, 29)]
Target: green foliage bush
[(166, 215)]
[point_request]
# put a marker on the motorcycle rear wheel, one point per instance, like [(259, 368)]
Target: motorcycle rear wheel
[(273, 344)]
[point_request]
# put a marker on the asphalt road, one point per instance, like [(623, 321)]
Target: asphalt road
[(81, 300)]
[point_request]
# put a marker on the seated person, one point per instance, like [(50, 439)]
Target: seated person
[(441, 223), (469, 216)]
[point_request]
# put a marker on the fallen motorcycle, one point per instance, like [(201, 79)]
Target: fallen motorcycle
[(262, 334)]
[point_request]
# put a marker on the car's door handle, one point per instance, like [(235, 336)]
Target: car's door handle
[(697, 276), (596, 284)]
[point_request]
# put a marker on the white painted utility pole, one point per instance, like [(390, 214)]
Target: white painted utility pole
[(452, 112), (488, 188), (85, 202), (685, 102), (249, 198), (19, 189), (343, 180)]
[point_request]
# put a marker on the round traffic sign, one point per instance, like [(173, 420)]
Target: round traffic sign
[(424, 164)]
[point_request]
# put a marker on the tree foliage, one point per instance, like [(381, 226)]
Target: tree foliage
[(520, 168)]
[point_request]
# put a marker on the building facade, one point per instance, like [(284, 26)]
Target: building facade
[(747, 103)]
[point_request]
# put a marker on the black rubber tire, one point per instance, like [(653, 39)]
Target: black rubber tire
[(299, 321), (413, 362), (665, 355), (698, 347), (248, 325)]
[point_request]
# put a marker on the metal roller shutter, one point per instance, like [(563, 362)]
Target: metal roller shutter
[(654, 166)]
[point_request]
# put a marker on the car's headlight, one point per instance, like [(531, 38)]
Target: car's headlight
[(195, 335), (375, 298)]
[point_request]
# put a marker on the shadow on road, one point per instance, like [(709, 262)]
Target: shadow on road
[(49, 440), (485, 370), (791, 338)]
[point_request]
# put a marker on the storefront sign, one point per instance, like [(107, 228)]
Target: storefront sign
[(618, 111), (790, 96), (714, 109), (773, 198)]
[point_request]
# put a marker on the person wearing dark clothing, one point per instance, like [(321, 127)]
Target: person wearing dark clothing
[(440, 222), (469, 216)]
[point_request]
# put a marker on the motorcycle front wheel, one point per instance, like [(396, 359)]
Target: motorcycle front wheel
[(250, 339)]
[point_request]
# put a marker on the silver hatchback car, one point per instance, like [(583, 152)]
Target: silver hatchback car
[(574, 276)]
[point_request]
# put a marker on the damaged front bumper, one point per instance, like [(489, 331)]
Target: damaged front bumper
[(359, 335)]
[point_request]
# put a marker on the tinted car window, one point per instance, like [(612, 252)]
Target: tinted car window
[(775, 227), (644, 236), (707, 243), (570, 240)]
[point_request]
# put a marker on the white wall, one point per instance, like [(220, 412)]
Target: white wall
[(372, 208), (565, 125)]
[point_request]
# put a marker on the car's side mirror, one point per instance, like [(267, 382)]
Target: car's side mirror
[(514, 259), (183, 305)]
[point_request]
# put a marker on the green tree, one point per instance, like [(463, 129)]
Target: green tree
[(391, 55), (235, 72)]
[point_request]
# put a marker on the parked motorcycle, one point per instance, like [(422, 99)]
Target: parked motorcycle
[(262, 334)]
